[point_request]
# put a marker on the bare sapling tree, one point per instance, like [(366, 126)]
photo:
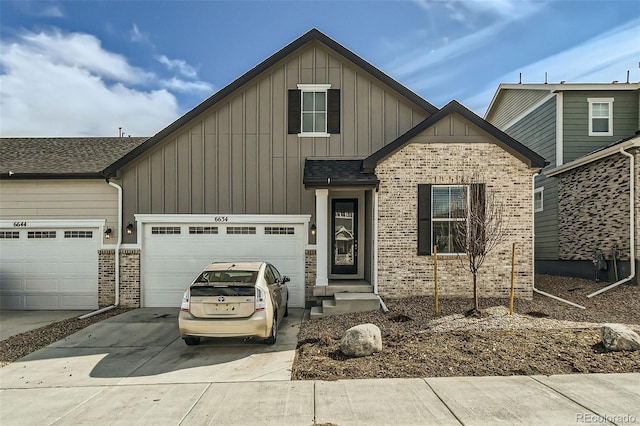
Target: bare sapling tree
[(479, 228)]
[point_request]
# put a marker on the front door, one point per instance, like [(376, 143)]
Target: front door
[(344, 238)]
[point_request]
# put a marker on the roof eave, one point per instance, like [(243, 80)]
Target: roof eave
[(33, 176), (533, 160), (598, 155)]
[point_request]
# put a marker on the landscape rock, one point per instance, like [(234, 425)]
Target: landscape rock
[(617, 337), (361, 340)]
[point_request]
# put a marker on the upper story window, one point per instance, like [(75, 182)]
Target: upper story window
[(538, 200), (600, 116), (314, 110)]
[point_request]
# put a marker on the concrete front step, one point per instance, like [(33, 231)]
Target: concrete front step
[(343, 303), (330, 290)]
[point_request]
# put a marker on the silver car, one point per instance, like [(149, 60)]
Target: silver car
[(234, 300)]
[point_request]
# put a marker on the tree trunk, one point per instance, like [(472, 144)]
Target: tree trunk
[(475, 292)]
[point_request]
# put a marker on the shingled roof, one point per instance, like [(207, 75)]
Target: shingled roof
[(61, 157), (326, 173)]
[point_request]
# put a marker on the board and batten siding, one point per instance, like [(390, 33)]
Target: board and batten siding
[(577, 141), (237, 158), (514, 103), (65, 199), (538, 131)]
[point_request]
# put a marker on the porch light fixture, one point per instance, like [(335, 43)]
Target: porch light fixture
[(130, 228), (313, 229), (107, 233)]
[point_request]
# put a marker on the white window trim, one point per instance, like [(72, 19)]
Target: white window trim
[(313, 88), (592, 101), (541, 192), (433, 219)]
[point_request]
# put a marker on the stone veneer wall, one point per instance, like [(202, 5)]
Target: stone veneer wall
[(593, 209), (401, 271), (309, 274), (597, 196), (129, 278)]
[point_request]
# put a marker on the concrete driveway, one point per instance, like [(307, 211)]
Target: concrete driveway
[(143, 346), (16, 322)]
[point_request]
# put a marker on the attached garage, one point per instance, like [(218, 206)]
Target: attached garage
[(49, 265), (175, 248)]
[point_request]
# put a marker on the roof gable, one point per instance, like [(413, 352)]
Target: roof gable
[(313, 35), (509, 144)]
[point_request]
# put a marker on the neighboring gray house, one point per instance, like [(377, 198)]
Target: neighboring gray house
[(565, 123), (323, 165)]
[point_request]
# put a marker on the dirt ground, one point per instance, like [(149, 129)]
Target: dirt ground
[(544, 336)]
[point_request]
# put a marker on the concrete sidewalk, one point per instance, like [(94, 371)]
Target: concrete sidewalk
[(134, 369), (537, 400)]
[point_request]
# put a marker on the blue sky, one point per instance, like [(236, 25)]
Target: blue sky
[(86, 68)]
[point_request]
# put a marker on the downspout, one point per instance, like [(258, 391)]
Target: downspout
[(533, 255), (117, 258), (375, 250), (632, 240)]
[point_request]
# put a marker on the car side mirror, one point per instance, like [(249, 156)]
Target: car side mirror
[(285, 279)]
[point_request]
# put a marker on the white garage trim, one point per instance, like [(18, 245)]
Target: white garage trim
[(49, 264), (175, 248)]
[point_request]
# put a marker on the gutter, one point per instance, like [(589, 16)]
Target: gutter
[(632, 249), (533, 256), (117, 258)]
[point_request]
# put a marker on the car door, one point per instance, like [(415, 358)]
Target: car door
[(280, 291)]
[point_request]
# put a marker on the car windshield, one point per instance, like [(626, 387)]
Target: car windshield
[(246, 277)]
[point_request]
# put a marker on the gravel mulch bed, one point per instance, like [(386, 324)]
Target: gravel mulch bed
[(15, 347), (544, 336)]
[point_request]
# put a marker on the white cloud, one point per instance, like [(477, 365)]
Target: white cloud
[(83, 51), (137, 35), (183, 86), (53, 84), (52, 12), (179, 65), (429, 53), (602, 59)]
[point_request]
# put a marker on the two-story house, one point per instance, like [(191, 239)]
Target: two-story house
[(583, 221), (315, 161)]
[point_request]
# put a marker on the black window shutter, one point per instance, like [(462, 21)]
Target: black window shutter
[(295, 113), (424, 220), (477, 200), (333, 111)]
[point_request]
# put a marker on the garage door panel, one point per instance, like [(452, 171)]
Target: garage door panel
[(9, 301), (42, 301), (50, 273), (42, 284), (170, 262)]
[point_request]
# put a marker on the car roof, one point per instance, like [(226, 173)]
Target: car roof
[(234, 266)]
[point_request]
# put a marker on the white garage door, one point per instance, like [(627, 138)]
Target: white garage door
[(173, 254), (49, 268)]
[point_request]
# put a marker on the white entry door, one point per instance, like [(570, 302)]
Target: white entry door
[(174, 253)]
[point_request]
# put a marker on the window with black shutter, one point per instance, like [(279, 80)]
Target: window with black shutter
[(441, 208), (313, 110)]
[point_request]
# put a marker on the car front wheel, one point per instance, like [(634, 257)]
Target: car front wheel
[(192, 341), (274, 331)]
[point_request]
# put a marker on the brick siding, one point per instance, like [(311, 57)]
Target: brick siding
[(594, 209), (309, 274), (129, 278), (401, 271)]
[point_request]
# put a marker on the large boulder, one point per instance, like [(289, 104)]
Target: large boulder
[(361, 340), (617, 337)]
